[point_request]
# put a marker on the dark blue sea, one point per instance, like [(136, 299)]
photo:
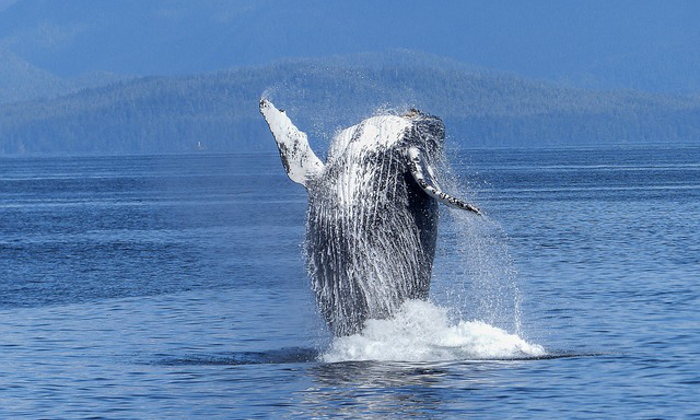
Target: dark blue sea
[(174, 287)]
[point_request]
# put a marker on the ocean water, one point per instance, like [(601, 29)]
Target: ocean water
[(174, 287)]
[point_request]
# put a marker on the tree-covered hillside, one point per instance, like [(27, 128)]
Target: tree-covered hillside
[(218, 111), (21, 81)]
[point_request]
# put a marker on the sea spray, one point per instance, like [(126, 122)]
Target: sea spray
[(474, 273), (489, 289), (423, 331)]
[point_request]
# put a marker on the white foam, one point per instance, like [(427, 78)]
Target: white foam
[(422, 331)]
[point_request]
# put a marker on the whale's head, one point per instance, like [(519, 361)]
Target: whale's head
[(425, 131), (414, 139), (390, 134)]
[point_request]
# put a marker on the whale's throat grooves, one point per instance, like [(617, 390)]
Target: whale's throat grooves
[(371, 233)]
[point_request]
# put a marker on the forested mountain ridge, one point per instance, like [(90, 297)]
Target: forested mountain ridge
[(21, 81), (218, 111)]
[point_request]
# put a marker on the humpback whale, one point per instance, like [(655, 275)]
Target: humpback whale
[(373, 212)]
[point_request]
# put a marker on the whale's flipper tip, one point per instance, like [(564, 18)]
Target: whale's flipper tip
[(300, 162), (474, 210)]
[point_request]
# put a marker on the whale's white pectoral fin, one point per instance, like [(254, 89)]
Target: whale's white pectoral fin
[(423, 175), (300, 162)]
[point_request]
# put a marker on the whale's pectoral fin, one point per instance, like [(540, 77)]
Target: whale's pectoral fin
[(300, 162), (423, 175)]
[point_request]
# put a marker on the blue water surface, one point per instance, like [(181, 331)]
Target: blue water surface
[(174, 287)]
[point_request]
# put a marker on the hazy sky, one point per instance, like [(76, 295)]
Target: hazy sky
[(639, 44), (5, 3)]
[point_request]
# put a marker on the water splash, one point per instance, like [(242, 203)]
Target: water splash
[(475, 275), (423, 331), (488, 290), (479, 284)]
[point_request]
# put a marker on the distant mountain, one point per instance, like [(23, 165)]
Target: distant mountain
[(21, 81), (218, 111), (644, 45)]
